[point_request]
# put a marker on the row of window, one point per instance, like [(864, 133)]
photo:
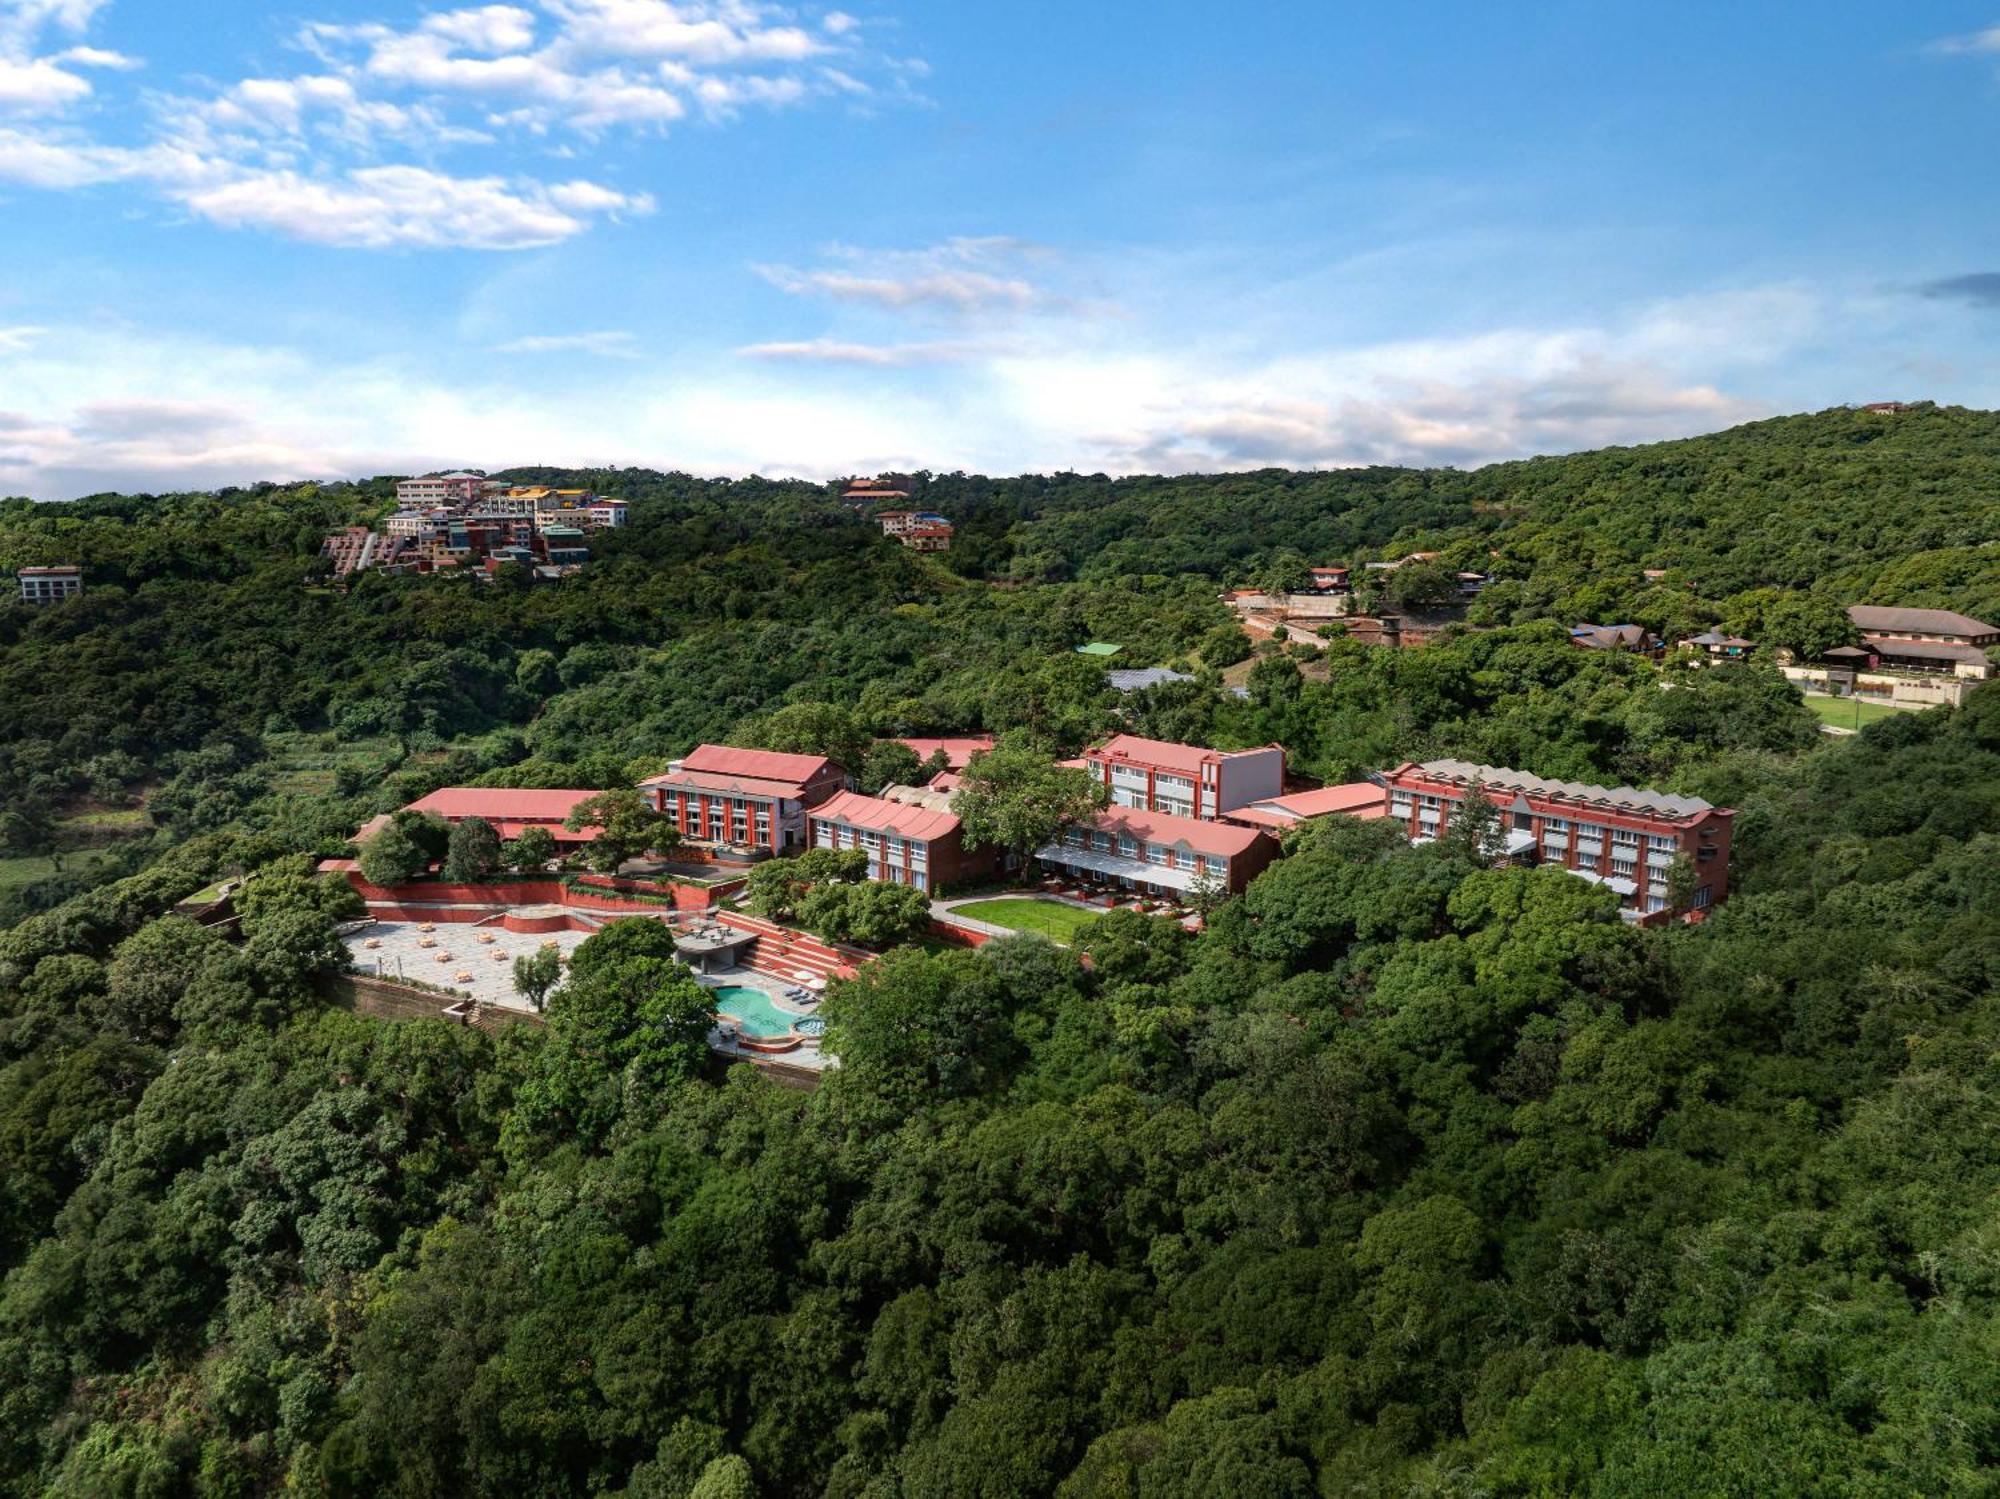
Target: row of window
[(1128, 847), (890, 846), (1556, 831)]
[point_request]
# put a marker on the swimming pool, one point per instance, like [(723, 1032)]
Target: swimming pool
[(752, 1009)]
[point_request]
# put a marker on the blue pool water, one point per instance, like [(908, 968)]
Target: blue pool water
[(752, 1009)]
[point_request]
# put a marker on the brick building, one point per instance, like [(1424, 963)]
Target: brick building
[(909, 833), (1153, 854), (1621, 837), (738, 798), (511, 810), (1184, 780)]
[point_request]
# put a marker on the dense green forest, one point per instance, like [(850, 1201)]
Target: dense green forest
[(1409, 1175)]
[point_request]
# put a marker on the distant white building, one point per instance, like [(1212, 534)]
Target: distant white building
[(439, 489), (50, 585)]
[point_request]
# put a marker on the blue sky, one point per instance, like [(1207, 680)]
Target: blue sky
[(324, 237)]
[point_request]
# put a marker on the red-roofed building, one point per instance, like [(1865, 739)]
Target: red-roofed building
[(1364, 800), (741, 798), (1184, 780), (909, 833), (1155, 854), (1625, 838), (958, 751), (511, 810)]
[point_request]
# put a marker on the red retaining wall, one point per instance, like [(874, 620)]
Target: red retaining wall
[(503, 893), (958, 936)]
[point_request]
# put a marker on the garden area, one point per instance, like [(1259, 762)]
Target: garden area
[(1851, 712), (1057, 920)]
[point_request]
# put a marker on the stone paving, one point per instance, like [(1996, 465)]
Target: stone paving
[(486, 953)]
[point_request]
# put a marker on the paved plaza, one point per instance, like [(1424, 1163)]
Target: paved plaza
[(484, 955)]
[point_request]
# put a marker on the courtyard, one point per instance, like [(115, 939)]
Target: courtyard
[(475, 960)]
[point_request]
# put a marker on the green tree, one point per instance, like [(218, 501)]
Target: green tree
[(816, 729), (535, 974), (1017, 800), (627, 824), (889, 763), (474, 850), (533, 850), (391, 856)]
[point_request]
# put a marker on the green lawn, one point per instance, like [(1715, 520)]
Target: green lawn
[(1841, 711), (1053, 919)]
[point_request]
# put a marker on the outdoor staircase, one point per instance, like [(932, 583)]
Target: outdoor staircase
[(785, 954)]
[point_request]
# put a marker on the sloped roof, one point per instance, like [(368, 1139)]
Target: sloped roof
[(1935, 621), (763, 765), (958, 750), (1145, 676), (510, 809), (879, 815), (1224, 840), (1184, 758), (1497, 778), (1362, 799), (1925, 650)]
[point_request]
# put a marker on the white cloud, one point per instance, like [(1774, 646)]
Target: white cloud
[(378, 207), (603, 343), (19, 340), (38, 86), (315, 156), (1987, 40), (834, 351), (93, 410), (959, 276)]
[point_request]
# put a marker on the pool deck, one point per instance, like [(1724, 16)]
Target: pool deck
[(398, 951), (723, 1038)]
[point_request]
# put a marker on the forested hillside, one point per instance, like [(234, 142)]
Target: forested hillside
[(1409, 1175)]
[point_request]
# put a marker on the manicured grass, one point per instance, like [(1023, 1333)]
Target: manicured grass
[(1840, 711), (1053, 919)]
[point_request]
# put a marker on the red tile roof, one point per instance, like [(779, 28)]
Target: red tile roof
[(1360, 799), (510, 809), (1185, 758), (759, 765), (877, 815), (1218, 838), (958, 751)]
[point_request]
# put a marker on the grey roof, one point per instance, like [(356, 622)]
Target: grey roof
[(1632, 797), (1936, 621), (1925, 650), (1150, 676)]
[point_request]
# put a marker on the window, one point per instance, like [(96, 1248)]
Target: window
[(1128, 845), (919, 852), (1101, 842), (1215, 866), (1701, 897), (1156, 853), (1400, 803), (1555, 825), (1625, 836), (921, 880), (1122, 797), (1656, 902), (1627, 868)]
